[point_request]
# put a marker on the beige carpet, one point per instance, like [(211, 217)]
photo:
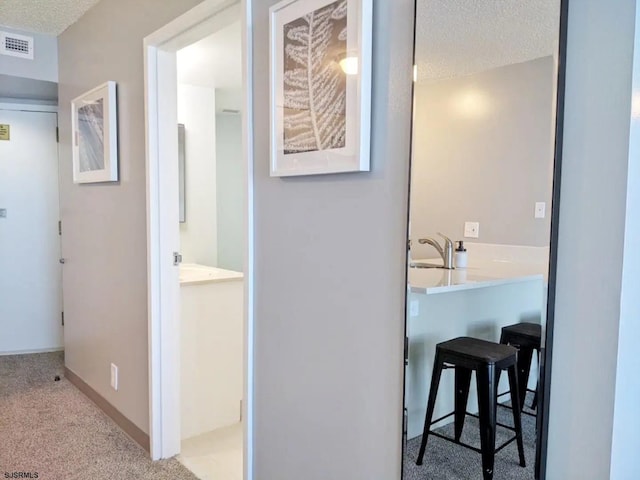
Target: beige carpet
[(50, 429)]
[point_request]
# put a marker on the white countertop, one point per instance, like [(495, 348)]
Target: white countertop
[(479, 274), (193, 274)]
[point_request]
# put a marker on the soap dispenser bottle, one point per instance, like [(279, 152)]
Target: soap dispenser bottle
[(460, 256)]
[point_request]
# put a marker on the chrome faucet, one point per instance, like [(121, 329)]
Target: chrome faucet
[(445, 251)]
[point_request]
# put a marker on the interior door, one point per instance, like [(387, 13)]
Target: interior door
[(30, 272)]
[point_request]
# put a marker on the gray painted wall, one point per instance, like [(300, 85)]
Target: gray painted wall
[(230, 191), (588, 359), (330, 285), (483, 153), (44, 65), (105, 236)]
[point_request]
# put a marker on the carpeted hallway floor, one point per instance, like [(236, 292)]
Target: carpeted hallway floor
[(52, 429)]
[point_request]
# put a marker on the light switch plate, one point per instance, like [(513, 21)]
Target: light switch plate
[(540, 211), (114, 376), (471, 229), (3, 213)]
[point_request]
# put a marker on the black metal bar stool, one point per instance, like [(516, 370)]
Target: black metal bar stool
[(466, 355), (526, 337)]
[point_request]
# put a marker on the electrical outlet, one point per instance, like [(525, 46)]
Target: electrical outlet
[(471, 229), (540, 211), (414, 308), (3, 213), (114, 376)]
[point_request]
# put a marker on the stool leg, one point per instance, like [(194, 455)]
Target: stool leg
[(534, 403), (487, 403), (433, 392), (524, 365), (517, 421), (463, 382)]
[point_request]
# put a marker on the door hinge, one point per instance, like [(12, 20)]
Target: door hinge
[(177, 258), (406, 350), (59, 227), (62, 316), (57, 135)]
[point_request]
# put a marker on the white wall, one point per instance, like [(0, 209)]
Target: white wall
[(626, 421), (593, 272), (483, 152), (198, 235), (44, 65), (22, 90), (230, 190)]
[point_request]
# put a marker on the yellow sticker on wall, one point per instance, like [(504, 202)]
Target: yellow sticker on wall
[(5, 131)]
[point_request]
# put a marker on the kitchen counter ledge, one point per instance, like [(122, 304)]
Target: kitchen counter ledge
[(480, 274)]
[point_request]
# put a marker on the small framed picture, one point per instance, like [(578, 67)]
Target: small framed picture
[(320, 86), (95, 141)]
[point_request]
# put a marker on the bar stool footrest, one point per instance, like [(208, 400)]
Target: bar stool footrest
[(523, 411), (466, 445), (470, 447)]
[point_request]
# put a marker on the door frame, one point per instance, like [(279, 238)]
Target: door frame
[(162, 218)]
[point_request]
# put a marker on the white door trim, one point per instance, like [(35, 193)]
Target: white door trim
[(162, 219)]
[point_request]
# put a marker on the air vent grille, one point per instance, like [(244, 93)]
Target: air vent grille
[(16, 45)]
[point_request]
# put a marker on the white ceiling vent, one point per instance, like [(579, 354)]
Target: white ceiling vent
[(16, 45)]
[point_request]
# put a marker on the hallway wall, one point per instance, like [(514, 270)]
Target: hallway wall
[(44, 65), (330, 284), (105, 233), (593, 334)]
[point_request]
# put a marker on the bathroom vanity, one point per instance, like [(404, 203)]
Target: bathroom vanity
[(492, 292), (211, 344)]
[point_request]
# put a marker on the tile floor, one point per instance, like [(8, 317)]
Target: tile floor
[(216, 455)]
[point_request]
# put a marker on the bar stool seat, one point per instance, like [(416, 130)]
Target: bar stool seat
[(526, 337), (487, 359)]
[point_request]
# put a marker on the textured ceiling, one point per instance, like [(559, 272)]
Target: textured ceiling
[(454, 37), (51, 17), (460, 37)]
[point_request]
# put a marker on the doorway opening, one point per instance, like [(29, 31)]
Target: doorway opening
[(199, 217), (211, 240)]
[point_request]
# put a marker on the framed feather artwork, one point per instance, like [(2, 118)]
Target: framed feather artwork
[(320, 86)]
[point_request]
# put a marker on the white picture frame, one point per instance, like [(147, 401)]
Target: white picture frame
[(320, 106), (94, 140)]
